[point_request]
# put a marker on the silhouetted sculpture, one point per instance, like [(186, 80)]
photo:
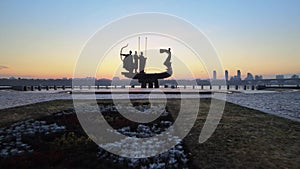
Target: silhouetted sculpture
[(142, 63), (150, 79), (128, 62), (167, 62), (136, 62)]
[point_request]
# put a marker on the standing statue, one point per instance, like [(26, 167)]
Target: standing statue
[(127, 60), (142, 63), (136, 62), (167, 62)]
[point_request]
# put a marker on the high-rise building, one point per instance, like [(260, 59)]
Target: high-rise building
[(226, 75), (238, 75), (214, 75)]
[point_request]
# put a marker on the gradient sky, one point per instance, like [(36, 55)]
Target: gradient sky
[(42, 39)]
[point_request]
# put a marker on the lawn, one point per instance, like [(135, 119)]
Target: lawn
[(244, 138)]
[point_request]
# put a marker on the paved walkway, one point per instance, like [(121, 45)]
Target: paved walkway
[(285, 103)]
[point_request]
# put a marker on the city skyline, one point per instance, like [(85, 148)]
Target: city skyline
[(44, 39), (215, 76)]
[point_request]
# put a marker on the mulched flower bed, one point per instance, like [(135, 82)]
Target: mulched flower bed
[(58, 141)]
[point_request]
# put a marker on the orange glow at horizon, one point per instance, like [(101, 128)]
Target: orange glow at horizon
[(60, 64)]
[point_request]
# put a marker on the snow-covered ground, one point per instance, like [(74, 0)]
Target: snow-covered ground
[(11, 98), (285, 103)]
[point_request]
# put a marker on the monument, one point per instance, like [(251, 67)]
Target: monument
[(135, 66)]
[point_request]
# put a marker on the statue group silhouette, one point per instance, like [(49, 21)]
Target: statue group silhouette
[(134, 63)]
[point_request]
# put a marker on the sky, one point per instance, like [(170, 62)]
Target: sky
[(43, 39)]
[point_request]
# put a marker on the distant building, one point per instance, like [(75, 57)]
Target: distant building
[(258, 77), (249, 77), (235, 79), (295, 77), (115, 78), (279, 76), (226, 75), (238, 75), (214, 75)]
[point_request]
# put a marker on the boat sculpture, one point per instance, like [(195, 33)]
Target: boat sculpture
[(135, 65)]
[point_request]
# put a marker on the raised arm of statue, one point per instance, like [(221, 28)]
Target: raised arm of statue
[(121, 52)]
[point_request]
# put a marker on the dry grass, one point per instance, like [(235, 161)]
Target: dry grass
[(244, 138), (34, 111)]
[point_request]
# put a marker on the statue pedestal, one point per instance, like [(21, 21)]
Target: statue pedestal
[(147, 79)]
